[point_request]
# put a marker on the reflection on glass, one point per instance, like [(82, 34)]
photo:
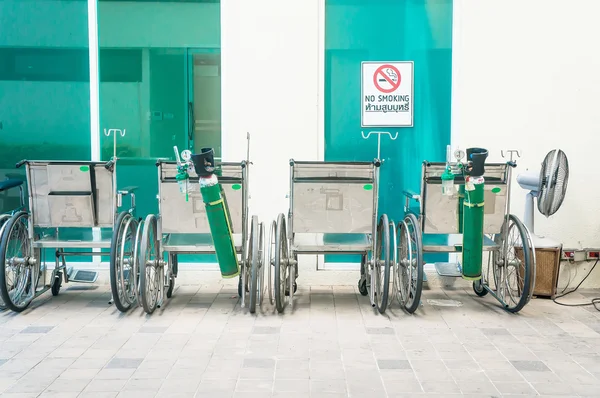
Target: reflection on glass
[(44, 85), (160, 81)]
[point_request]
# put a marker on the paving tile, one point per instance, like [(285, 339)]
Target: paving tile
[(77, 385), (100, 385), (504, 375), (495, 332), (98, 394), (58, 394), (541, 377), (78, 374), (37, 329), (198, 305), (438, 387), (124, 363), (114, 374), (152, 329), (170, 394), (248, 385), (291, 385), (28, 386), (143, 385), (586, 389), (383, 330), (393, 364), (265, 330), (397, 387), (89, 363), (98, 304), (554, 389), (366, 387), (293, 364), (514, 388), (210, 347), (136, 394), (530, 366), (477, 387), (460, 364), (189, 385), (327, 386), (326, 370), (277, 394), (328, 395), (259, 363), (470, 375), (210, 387)]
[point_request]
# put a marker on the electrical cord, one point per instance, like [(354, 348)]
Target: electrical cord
[(571, 279), (595, 301)]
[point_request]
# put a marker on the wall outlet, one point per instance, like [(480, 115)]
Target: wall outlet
[(592, 254), (568, 254)]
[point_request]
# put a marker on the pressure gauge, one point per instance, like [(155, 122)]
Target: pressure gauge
[(186, 155), (459, 154)]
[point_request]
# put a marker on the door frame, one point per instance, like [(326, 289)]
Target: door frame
[(189, 88)]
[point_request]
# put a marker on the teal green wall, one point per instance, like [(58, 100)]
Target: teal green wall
[(159, 24), (44, 82), (384, 30), (45, 91), (44, 86), (144, 57)]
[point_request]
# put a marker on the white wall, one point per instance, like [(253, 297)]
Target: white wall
[(270, 86), (525, 76)]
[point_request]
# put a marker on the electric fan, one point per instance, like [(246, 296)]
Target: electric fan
[(549, 186)]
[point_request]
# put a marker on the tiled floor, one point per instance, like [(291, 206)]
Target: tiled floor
[(332, 345)]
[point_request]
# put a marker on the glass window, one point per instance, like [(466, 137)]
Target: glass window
[(44, 85), (160, 82)]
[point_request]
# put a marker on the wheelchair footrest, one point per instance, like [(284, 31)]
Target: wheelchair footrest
[(451, 270), (82, 276)]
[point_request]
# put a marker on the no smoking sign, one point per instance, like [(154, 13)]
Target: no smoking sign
[(387, 78), (387, 94)]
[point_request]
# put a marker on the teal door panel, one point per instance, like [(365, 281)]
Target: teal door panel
[(417, 31)]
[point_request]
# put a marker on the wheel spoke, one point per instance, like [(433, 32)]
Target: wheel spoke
[(20, 269), (512, 265)]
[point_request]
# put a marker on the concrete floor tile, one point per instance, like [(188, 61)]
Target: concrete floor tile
[(331, 346), (326, 370), (514, 388), (100, 385), (327, 386), (437, 387), (259, 386)]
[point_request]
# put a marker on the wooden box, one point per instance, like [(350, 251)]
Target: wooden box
[(546, 272)]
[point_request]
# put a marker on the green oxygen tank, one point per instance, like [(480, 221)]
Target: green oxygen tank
[(473, 212), (217, 213)]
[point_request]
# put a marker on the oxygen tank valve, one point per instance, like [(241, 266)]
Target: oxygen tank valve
[(476, 161)]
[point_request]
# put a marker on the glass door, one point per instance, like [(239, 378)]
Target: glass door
[(204, 100)]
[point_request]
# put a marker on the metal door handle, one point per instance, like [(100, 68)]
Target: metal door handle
[(191, 122)]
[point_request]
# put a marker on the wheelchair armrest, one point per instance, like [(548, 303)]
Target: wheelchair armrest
[(5, 185), (412, 195), (127, 190)]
